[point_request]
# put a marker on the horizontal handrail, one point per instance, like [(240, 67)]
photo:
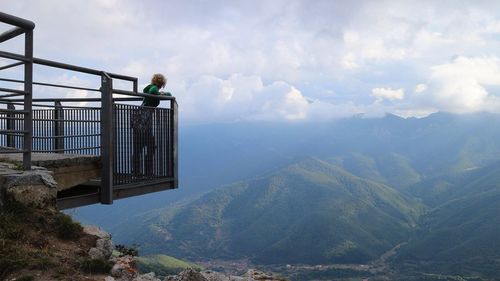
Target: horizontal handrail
[(13, 111), (46, 105), (13, 20), (12, 91), (81, 69), (9, 34), (129, 93), (12, 56), (50, 84), (11, 95), (72, 121), (12, 65), (13, 151), (66, 66), (65, 149), (138, 97), (13, 131), (67, 136)]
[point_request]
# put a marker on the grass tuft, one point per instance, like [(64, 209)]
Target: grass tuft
[(94, 265), (66, 228), (26, 278)]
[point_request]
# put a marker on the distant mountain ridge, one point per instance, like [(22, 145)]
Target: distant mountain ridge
[(396, 151), (461, 234), (310, 212), (336, 192)]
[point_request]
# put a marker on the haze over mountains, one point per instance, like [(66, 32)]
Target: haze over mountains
[(340, 192), (309, 212)]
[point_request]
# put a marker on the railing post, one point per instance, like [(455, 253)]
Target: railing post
[(107, 139), (28, 98), (11, 124), (58, 127), (135, 86), (175, 149)]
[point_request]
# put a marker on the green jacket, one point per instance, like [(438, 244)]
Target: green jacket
[(152, 90)]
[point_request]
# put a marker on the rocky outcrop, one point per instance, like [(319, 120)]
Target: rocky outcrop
[(207, 275), (187, 275), (124, 268), (35, 188), (104, 244)]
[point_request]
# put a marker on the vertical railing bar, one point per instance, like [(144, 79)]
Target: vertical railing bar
[(58, 126), (170, 144), (115, 148), (175, 142), (11, 125), (87, 132), (74, 129), (107, 138), (123, 144), (118, 138), (28, 98)]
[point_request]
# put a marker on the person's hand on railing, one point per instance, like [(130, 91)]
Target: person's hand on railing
[(168, 94)]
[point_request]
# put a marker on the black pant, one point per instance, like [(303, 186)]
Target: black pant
[(144, 145)]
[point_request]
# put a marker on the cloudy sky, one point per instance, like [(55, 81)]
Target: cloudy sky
[(278, 60)]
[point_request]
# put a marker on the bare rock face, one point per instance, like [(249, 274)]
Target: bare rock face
[(187, 275), (147, 277), (124, 268), (104, 245), (253, 274), (35, 188), (215, 276), (250, 275)]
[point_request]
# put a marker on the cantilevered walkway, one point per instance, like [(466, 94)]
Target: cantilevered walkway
[(94, 146)]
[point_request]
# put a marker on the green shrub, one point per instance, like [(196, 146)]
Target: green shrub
[(19, 209), (94, 265), (11, 258), (127, 251), (9, 227), (66, 228), (41, 260)]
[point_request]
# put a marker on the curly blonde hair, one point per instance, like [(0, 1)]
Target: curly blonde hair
[(159, 80)]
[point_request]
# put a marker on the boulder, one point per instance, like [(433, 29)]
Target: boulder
[(215, 276), (255, 275), (104, 246), (146, 277), (36, 188), (124, 268), (186, 275)]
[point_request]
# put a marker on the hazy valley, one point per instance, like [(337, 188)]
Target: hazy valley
[(344, 192)]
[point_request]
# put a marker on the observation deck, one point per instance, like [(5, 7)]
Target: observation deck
[(100, 148)]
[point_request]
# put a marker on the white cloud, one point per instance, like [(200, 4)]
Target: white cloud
[(323, 59), (388, 94), (420, 88), (211, 99), (461, 85)]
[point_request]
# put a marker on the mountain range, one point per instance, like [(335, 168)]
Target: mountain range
[(459, 235), (309, 212), (340, 192)]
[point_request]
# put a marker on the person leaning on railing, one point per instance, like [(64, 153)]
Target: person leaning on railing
[(157, 82), (142, 124)]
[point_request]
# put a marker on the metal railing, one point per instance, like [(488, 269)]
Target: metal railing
[(19, 27), (137, 145)]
